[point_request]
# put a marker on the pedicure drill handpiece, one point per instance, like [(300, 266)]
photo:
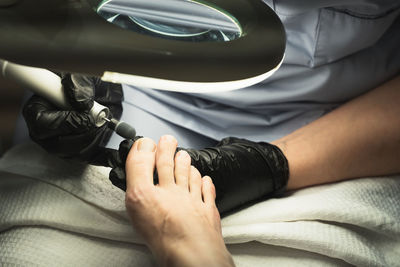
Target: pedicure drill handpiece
[(48, 85)]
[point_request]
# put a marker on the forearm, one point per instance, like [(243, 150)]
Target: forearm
[(360, 138)]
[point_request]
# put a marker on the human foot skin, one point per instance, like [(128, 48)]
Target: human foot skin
[(178, 217)]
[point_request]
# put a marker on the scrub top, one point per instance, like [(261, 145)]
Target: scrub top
[(336, 50)]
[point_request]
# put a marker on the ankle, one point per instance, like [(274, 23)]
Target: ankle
[(195, 253)]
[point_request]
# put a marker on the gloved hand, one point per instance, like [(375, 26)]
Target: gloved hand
[(72, 133), (242, 171)]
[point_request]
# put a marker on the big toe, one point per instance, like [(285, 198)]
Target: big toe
[(141, 162)]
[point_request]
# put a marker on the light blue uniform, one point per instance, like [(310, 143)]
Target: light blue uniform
[(336, 50)]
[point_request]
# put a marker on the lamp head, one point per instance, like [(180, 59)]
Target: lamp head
[(178, 45)]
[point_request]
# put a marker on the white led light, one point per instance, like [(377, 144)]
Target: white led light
[(181, 86)]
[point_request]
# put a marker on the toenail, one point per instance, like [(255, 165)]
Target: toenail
[(183, 154), (146, 145), (168, 138)]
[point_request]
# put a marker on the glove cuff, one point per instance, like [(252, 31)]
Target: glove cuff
[(278, 164)]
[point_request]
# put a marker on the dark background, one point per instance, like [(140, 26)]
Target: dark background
[(10, 104)]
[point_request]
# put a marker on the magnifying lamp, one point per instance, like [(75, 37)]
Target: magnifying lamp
[(177, 45)]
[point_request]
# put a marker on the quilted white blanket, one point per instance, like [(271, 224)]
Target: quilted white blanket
[(58, 213)]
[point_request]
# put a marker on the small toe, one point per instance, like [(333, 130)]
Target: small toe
[(195, 182), (182, 169), (208, 191)]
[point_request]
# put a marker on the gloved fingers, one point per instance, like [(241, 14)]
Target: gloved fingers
[(44, 120), (118, 178), (208, 191), (165, 160), (182, 169), (79, 90), (195, 182), (80, 146), (115, 109), (124, 148), (107, 157), (71, 133), (110, 95), (64, 133)]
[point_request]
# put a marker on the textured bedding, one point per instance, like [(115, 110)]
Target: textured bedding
[(59, 213)]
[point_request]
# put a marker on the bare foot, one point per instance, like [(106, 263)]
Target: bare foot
[(178, 217)]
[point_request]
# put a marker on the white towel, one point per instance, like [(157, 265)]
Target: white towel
[(56, 212)]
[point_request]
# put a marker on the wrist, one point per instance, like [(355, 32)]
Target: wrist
[(304, 165)]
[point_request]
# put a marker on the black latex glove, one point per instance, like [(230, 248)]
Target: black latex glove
[(72, 133), (242, 171)]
